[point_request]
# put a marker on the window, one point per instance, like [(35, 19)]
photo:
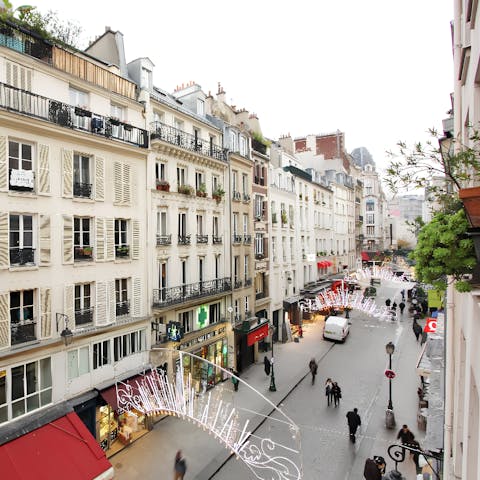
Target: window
[(258, 206), (31, 386), (183, 272), (243, 146), (182, 225), (370, 206), (162, 223), (178, 124), (181, 176), (101, 354), (20, 166), (128, 344), (200, 107), (245, 266), (245, 184), (83, 304), (82, 186), (159, 117), (258, 243), (236, 267), (199, 180), (245, 223), (215, 183), (3, 396), (371, 230), (22, 321), (185, 319), (233, 141), (370, 218), (145, 78), (215, 227), (235, 223), (81, 239), (234, 181), (274, 248), (200, 223), (246, 305), (160, 171), (21, 239), (121, 238), (79, 99), (122, 306), (78, 362)]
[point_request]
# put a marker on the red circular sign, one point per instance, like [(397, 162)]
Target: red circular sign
[(389, 373)]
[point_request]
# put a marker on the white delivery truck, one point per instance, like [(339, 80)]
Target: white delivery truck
[(336, 328)]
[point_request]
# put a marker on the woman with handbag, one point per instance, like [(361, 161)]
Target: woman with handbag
[(337, 394)]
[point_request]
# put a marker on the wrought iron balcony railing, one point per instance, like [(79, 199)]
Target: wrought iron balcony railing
[(22, 256), (83, 253), (83, 190), (36, 106), (237, 238), (217, 239), (122, 251), (184, 239), (84, 316), (202, 238), (164, 239), (164, 297), (248, 282), (23, 331), (260, 295), (247, 239), (246, 197), (237, 283), (187, 141), (122, 308), (12, 37)]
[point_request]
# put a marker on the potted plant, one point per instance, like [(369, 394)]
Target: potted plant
[(82, 112), (163, 185), (202, 190), (87, 251), (127, 126), (218, 194), (185, 189), (284, 218), (123, 250), (114, 121)]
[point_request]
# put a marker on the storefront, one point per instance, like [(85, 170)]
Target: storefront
[(247, 337)]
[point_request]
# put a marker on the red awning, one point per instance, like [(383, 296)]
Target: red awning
[(365, 257), (255, 335), (328, 263), (63, 448), (321, 264), (110, 393)]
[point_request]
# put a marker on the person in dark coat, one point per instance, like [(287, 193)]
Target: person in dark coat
[(374, 467), (394, 305), (328, 390), (337, 394), (235, 380), (388, 302), (406, 435), (417, 329), (180, 466), (354, 421), (266, 365), (402, 307), (313, 369)]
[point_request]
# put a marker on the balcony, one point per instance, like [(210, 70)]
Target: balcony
[(202, 238), (83, 317), (237, 283), (187, 141), (246, 198), (184, 240), (260, 295), (164, 239), (13, 38), (82, 190), (260, 256), (22, 256), (259, 180), (217, 240), (23, 331), (53, 111), (259, 146), (84, 253), (237, 239), (165, 297), (122, 251), (237, 196), (247, 239), (122, 308), (248, 282)]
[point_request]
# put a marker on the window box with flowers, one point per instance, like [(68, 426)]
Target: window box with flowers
[(185, 189), (218, 194), (163, 185), (202, 190)]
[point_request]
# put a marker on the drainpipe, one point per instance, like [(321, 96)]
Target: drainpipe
[(449, 383)]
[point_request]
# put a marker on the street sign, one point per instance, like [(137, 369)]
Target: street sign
[(389, 374), (430, 325)]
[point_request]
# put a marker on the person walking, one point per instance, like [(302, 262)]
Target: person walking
[(388, 302), (235, 380), (394, 305), (374, 468), (266, 365), (354, 421), (313, 366), (417, 329), (406, 435), (337, 394), (328, 390), (180, 466), (402, 307)]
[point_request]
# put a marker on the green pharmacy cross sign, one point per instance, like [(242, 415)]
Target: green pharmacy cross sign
[(202, 316)]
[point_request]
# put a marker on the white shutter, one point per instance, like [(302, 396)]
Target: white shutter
[(110, 239), (46, 312), (43, 170), (3, 163), (101, 303), (135, 239), (19, 76), (67, 172), (4, 320), (99, 179), (69, 306), (44, 240), (112, 301), (137, 297), (100, 239), (67, 239), (117, 183), (127, 186), (4, 260)]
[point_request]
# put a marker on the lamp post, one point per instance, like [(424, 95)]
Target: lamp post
[(272, 387), (390, 416)]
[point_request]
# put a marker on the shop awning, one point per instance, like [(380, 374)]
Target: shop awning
[(255, 335), (365, 257), (63, 448), (321, 265)]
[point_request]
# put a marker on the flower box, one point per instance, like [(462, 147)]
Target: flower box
[(163, 185)]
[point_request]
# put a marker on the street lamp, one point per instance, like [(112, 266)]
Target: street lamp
[(272, 388), (390, 417)]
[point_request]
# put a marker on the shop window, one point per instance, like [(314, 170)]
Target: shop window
[(128, 344), (78, 362), (101, 354)]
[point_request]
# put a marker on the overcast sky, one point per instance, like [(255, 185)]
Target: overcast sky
[(378, 70)]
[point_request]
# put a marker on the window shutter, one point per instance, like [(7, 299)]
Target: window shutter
[(117, 183), (46, 312), (19, 76), (43, 169), (3, 163), (99, 179), (112, 301), (135, 239), (45, 240), (100, 239), (110, 239), (127, 187), (68, 306), (67, 239), (4, 260), (101, 303), (67, 169), (137, 297), (4, 320)]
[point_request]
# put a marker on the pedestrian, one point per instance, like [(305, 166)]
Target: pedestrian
[(313, 369), (403, 295), (402, 307), (337, 393), (394, 305), (406, 435), (374, 468), (416, 455), (266, 365), (180, 466), (393, 475), (424, 337), (417, 329), (235, 380), (354, 421), (300, 331), (328, 390), (388, 302)]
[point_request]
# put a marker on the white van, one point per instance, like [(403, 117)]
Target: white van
[(336, 328)]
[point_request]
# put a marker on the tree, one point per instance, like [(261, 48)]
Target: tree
[(444, 249), (415, 226)]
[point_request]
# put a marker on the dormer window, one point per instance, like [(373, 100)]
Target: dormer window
[(200, 107), (145, 78)]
